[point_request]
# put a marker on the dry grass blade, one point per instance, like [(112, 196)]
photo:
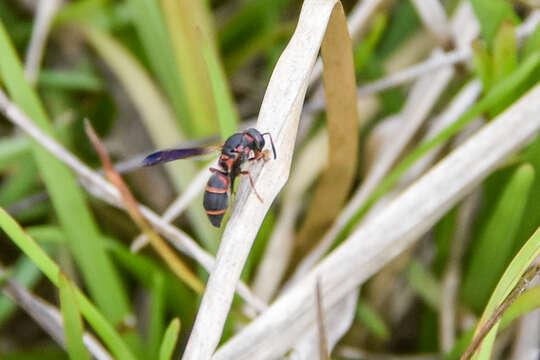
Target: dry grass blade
[(323, 343), (521, 286), (337, 322), (177, 266), (279, 115), (342, 124), (48, 317), (385, 236), (45, 11), (433, 15)]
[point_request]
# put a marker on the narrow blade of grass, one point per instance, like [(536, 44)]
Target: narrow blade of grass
[(152, 30), (157, 314), (425, 284), (99, 322), (369, 317), (226, 110), (498, 232), (508, 282), (169, 340), (182, 27), (504, 51), (483, 64), (99, 273), (11, 150), (73, 327), (490, 14)]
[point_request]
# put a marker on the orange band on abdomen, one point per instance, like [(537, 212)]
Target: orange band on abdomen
[(215, 212)]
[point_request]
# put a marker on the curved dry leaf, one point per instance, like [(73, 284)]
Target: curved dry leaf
[(279, 115), (342, 128), (380, 240)]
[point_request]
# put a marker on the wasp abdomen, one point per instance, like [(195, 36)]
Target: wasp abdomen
[(216, 198)]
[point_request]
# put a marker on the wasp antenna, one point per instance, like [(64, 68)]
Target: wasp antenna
[(271, 142)]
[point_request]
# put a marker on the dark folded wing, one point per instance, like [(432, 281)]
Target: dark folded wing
[(174, 154)]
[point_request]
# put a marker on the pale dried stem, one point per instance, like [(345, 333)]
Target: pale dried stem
[(337, 322), (380, 240), (452, 272), (48, 317), (99, 187), (279, 115), (45, 11), (433, 15)]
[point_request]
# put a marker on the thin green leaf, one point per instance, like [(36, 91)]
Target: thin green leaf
[(12, 149), (73, 327), (483, 64), (99, 273), (532, 44), (99, 322), (425, 284), (152, 31), (524, 258), (69, 80), (369, 317), (491, 14), (157, 313), (527, 302), (504, 51), (498, 232), (226, 110), (169, 340), (182, 25)]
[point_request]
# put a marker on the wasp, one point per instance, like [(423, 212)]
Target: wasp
[(246, 146)]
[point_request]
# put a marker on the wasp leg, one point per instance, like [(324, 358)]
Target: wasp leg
[(245, 172), (265, 155)]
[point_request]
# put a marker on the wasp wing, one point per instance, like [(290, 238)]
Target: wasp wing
[(164, 156)]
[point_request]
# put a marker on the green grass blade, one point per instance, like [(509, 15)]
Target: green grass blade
[(98, 321), (169, 340), (504, 51), (483, 64), (525, 303), (425, 284), (532, 43), (524, 258), (497, 232), (73, 327), (21, 183), (69, 80), (181, 21), (491, 14), (99, 273), (156, 42), (369, 317), (157, 314), (12, 149), (226, 109)]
